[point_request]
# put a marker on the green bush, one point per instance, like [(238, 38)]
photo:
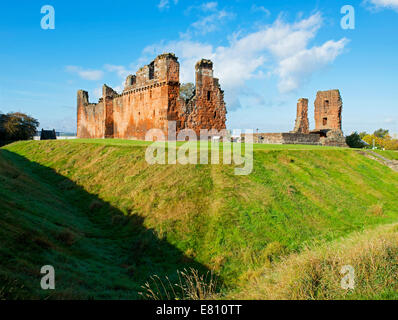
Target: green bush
[(354, 141)]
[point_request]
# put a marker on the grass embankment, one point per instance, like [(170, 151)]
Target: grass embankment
[(317, 272), (234, 225), (97, 252), (389, 154)]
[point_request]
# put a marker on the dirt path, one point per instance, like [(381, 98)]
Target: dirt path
[(393, 164)]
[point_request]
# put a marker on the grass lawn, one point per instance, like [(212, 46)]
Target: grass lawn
[(389, 154)]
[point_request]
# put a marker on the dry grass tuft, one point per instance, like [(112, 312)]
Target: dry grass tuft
[(315, 273), (377, 210), (190, 286)]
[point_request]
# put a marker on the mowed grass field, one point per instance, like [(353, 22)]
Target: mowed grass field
[(107, 220)]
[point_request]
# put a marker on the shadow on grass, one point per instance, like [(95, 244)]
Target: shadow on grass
[(97, 252)]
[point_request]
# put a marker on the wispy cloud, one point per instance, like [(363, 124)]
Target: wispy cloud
[(296, 69), (121, 71), (382, 4), (86, 74), (262, 9), (165, 4), (391, 120), (281, 50), (210, 19)]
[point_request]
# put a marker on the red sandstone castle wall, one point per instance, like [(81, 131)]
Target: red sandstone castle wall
[(90, 117), (138, 111), (145, 104), (151, 99)]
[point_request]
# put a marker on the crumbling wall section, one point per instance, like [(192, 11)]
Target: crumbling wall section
[(302, 123), (286, 138), (334, 138), (90, 117), (206, 110)]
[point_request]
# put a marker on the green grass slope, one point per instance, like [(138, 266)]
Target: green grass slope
[(97, 252), (314, 273), (389, 154), (203, 214)]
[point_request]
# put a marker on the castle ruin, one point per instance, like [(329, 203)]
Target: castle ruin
[(151, 99), (302, 125), (328, 108), (328, 120)]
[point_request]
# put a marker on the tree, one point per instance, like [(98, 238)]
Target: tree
[(362, 134), (187, 90), (17, 126), (372, 140), (381, 133), (391, 144), (354, 141)]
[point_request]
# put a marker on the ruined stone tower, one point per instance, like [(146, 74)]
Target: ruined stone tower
[(206, 110), (328, 108), (151, 99), (302, 124)]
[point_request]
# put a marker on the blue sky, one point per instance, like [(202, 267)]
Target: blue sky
[(267, 54)]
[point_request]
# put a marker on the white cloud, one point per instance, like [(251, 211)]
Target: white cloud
[(209, 6), (296, 69), (210, 22), (86, 74), (121, 71), (205, 7), (261, 9), (281, 49), (165, 4), (383, 4), (390, 120)]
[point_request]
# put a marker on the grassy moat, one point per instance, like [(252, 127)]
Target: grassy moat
[(107, 221)]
